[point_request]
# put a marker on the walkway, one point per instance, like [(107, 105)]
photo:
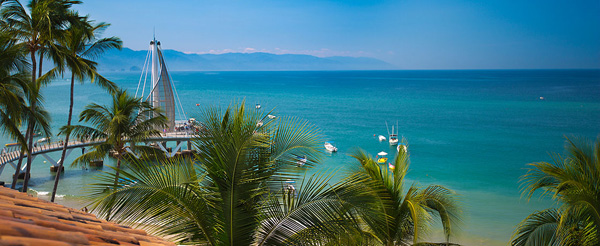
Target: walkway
[(8, 155)]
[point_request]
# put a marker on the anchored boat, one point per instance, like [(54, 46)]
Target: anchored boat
[(301, 161), (393, 135), (329, 147)]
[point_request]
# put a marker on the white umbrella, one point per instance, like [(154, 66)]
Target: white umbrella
[(381, 153)]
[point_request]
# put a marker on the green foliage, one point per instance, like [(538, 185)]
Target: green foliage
[(572, 180), (235, 191), (76, 50), (399, 215), (34, 28), (119, 126), (13, 83)]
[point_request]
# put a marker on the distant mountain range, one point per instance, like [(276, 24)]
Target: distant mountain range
[(132, 60)]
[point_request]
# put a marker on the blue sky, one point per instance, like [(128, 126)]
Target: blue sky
[(411, 34)]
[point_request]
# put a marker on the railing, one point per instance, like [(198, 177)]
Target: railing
[(12, 153)]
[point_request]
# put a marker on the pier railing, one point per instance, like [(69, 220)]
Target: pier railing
[(11, 153)]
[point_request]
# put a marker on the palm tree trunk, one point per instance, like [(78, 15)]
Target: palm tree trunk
[(29, 161), (117, 173), (115, 184), (40, 68), (21, 156), (66, 143), (31, 120)]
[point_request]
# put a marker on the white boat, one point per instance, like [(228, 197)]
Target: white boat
[(257, 106), (301, 161), (381, 138), (393, 139), (393, 136), (271, 116), (329, 147), (259, 124), (43, 140)]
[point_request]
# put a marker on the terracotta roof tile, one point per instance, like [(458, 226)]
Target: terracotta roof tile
[(27, 220)]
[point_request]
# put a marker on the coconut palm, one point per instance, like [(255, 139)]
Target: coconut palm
[(13, 84), (16, 97), (77, 48), (173, 198), (119, 126), (234, 192), (13, 79), (37, 119), (400, 215), (34, 28), (571, 180)]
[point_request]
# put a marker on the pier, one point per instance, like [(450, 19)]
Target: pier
[(10, 155)]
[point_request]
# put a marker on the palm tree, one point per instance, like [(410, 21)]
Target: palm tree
[(173, 198), (79, 44), (34, 28), (571, 180), (16, 96), (234, 192), (13, 79), (38, 120), (119, 126), (397, 215)]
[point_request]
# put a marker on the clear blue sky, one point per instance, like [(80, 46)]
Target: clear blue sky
[(411, 34)]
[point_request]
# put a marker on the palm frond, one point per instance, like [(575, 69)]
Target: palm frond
[(164, 198), (539, 228), (572, 180)]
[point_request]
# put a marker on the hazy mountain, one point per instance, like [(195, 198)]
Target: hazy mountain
[(131, 60)]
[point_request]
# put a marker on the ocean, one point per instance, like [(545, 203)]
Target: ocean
[(472, 131)]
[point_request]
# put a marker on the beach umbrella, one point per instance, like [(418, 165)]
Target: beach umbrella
[(381, 153)]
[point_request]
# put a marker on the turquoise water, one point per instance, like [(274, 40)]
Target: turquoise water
[(472, 131)]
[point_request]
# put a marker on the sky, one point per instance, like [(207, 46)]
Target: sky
[(410, 34)]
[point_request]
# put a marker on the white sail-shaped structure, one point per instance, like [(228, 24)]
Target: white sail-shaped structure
[(161, 92)]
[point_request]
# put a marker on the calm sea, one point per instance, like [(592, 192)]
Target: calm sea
[(472, 131)]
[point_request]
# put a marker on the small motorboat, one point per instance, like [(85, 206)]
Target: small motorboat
[(329, 147), (301, 161), (392, 167), (271, 116), (259, 124), (257, 106), (381, 138), (41, 141)]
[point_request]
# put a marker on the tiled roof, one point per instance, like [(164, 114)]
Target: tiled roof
[(26, 220)]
